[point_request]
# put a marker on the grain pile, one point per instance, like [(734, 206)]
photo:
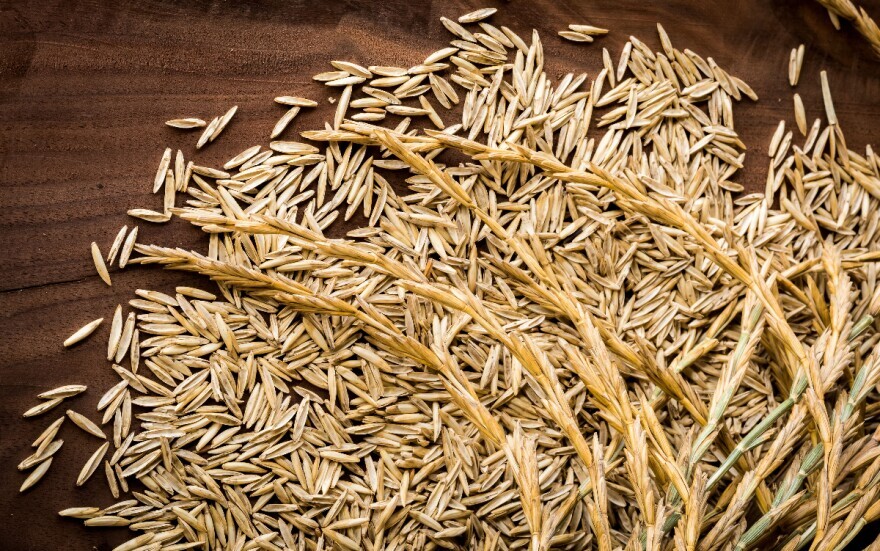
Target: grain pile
[(569, 329)]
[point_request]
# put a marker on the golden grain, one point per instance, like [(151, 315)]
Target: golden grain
[(100, 266), (186, 123), (83, 332)]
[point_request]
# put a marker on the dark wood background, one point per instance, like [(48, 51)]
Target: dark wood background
[(85, 86)]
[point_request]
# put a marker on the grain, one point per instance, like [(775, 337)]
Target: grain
[(442, 54), (100, 266), (86, 424), (115, 332), (352, 68), (776, 139), (330, 76), (208, 132), (42, 407), (210, 172), (386, 82), (346, 81), (223, 123), (830, 114), (110, 475), (43, 453), (575, 36), (282, 123), (242, 157), (164, 163), (48, 433), (183, 183), (431, 112), (65, 391), (92, 464), (107, 521), (149, 215), (35, 475), (342, 106), (368, 116), (588, 29), (623, 61), (125, 338), (406, 111), (477, 15), (800, 115), (795, 61), (128, 247), (117, 242), (186, 123), (79, 512), (168, 196), (82, 333), (456, 29), (296, 101)]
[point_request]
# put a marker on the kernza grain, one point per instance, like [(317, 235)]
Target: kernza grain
[(83, 332), (187, 123), (570, 331)]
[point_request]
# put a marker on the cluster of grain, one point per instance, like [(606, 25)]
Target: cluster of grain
[(583, 336)]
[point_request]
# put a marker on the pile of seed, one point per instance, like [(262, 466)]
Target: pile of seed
[(559, 324)]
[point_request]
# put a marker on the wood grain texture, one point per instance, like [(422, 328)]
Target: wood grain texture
[(87, 84)]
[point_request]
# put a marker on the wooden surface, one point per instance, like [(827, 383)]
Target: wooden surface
[(85, 86)]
